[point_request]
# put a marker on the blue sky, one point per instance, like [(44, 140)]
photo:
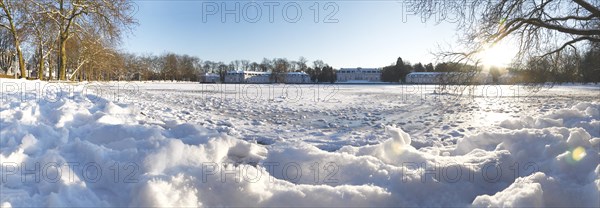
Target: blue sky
[(346, 34)]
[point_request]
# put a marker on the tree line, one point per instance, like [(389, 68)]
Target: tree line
[(557, 40), (183, 67), (70, 39), (77, 40), (567, 66), (397, 72)]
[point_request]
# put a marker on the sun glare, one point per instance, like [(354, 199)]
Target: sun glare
[(578, 153), (498, 55)]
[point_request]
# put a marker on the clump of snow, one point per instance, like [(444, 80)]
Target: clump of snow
[(522, 193), (539, 190), (89, 150), (391, 150), (584, 115), (173, 192)]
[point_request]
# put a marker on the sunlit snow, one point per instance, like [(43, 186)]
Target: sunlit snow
[(172, 144)]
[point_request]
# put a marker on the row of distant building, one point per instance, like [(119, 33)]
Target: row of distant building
[(257, 77), (346, 75)]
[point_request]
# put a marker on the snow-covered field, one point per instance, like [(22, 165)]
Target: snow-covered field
[(187, 144)]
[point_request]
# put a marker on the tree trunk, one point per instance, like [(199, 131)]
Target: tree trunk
[(62, 59), (11, 27), (21, 60), (80, 76), (41, 64), (50, 74)]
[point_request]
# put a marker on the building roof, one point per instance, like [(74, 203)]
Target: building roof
[(359, 68), (210, 74), (253, 72), (301, 73)]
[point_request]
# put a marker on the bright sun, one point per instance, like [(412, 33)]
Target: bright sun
[(499, 55)]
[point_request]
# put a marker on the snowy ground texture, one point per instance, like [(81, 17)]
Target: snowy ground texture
[(186, 145)]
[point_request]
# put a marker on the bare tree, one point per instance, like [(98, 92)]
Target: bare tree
[(280, 67), (222, 67), (44, 36), (293, 66), (170, 68), (12, 18), (7, 54), (266, 65), (209, 67), (302, 63), (540, 28), (188, 67), (117, 67), (236, 64), (146, 69), (90, 47), (317, 64), (254, 66), (245, 64), (113, 17), (153, 66)]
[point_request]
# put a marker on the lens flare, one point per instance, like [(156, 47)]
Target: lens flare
[(502, 26), (497, 55), (578, 154)]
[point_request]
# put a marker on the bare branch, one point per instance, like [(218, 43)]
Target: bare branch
[(574, 31), (570, 43), (570, 17), (591, 8)]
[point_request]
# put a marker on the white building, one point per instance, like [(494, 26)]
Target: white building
[(297, 78), (264, 77), (234, 77), (447, 77), (256, 77), (359, 74), (209, 78)]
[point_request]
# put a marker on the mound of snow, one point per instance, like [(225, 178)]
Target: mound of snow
[(90, 151)]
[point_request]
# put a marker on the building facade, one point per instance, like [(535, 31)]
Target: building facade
[(359, 74), (297, 78), (265, 77), (256, 77), (234, 77)]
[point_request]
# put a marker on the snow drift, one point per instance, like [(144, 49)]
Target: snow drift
[(82, 149)]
